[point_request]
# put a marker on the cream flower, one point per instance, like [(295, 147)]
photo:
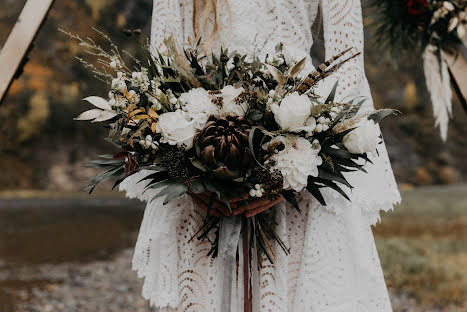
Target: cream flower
[(198, 105), (296, 162), (293, 112), (229, 96), (364, 138), (176, 129)]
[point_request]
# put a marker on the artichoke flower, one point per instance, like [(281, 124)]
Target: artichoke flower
[(223, 146)]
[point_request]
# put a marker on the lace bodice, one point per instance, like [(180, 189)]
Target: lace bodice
[(333, 265), (255, 27)]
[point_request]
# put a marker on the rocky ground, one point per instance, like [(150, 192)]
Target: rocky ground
[(74, 254), (105, 286)]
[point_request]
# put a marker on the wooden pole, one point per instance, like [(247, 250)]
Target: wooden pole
[(17, 44)]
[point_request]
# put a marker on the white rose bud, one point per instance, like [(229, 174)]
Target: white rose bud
[(176, 129), (363, 139), (319, 128), (229, 96), (293, 112)]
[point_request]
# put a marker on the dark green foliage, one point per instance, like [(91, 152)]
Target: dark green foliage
[(400, 32)]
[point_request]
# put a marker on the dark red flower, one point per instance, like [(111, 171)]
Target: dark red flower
[(417, 7)]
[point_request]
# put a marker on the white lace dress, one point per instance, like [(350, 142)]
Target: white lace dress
[(333, 265)]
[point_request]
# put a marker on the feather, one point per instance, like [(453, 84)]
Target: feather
[(323, 71), (439, 86)]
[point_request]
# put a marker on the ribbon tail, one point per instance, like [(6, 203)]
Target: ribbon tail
[(229, 237)]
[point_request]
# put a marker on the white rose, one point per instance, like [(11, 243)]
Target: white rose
[(364, 138), (176, 129), (197, 103), (229, 96), (297, 161), (293, 112)]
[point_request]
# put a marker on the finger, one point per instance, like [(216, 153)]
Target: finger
[(252, 212), (200, 203), (256, 204), (243, 196), (222, 208), (203, 205), (251, 205)]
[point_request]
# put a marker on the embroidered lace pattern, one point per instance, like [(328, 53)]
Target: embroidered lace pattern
[(333, 265)]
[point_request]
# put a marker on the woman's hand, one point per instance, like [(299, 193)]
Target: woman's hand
[(239, 205)]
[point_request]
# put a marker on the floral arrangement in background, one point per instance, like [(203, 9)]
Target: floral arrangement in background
[(435, 29), (228, 126)]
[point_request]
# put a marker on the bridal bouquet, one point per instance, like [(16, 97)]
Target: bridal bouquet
[(229, 126), (435, 28)]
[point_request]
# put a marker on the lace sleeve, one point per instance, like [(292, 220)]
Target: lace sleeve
[(167, 20), (343, 28)]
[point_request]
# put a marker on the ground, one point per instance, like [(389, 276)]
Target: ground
[(64, 256)]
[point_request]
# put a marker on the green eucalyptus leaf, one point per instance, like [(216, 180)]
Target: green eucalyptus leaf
[(165, 191), (119, 180), (289, 196), (378, 115), (176, 192), (332, 94), (340, 136), (250, 142), (338, 152), (159, 185), (197, 187), (333, 176), (255, 115), (153, 168), (198, 164), (155, 178), (314, 190)]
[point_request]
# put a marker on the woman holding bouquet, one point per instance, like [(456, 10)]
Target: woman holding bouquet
[(333, 264)]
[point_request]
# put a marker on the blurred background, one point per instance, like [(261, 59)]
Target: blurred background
[(62, 250)]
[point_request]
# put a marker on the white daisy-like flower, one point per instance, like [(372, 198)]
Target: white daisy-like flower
[(297, 161), (198, 105)]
